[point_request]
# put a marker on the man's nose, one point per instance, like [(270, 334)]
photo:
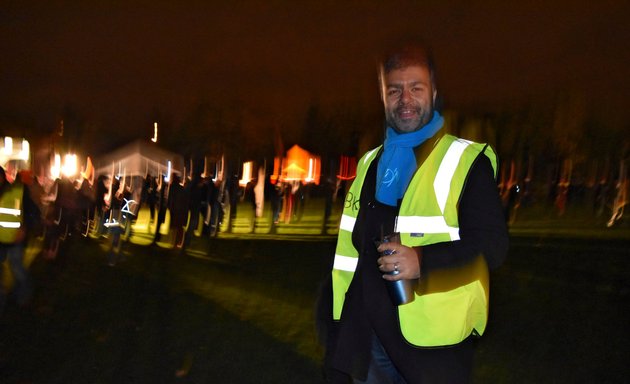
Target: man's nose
[(406, 95)]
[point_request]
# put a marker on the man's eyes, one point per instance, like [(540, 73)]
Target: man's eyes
[(397, 91)]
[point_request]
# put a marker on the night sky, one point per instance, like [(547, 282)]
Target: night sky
[(118, 64)]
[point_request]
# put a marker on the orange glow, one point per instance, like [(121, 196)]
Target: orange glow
[(277, 163), (88, 174), (347, 168), (299, 165)]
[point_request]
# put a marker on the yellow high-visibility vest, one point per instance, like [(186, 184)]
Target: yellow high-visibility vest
[(449, 305), (11, 213), (346, 256)]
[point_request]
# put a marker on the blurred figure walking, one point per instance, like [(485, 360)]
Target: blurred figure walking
[(18, 212), (178, 207)]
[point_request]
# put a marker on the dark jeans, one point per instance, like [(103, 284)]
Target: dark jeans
[(382, 370), (23, 288), (449, 365)]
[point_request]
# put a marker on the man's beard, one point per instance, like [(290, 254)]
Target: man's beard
[(423, 117)]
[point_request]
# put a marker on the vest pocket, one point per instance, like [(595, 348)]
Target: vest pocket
[(445, 318)]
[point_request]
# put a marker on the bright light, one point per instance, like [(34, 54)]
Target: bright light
[(247, 173), (69, 167), (219, 170), (293, 172), (8, 146), (155, 133), (168, 172), (9, 153), (55, 169), (26, 150), (309, 176), (300, 166)]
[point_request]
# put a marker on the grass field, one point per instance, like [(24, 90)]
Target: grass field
[(241, 311)]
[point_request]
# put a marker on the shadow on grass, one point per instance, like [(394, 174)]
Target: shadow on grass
[(242, 312), (154, 318)]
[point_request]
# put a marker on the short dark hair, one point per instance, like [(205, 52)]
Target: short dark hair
[(406, 54)]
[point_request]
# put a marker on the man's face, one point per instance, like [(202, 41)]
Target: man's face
[(408, 98)]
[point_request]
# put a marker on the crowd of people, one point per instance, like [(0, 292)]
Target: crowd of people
[(54, 211), (108, 206)]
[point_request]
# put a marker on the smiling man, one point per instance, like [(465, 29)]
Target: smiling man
[(438, 193), (409, 96)]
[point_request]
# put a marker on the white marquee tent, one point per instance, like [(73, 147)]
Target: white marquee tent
[(139, 158)]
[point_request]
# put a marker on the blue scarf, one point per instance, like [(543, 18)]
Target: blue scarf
[(398, 161)]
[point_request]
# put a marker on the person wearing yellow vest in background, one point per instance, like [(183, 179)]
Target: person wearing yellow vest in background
[(17, 211), (438, 192)]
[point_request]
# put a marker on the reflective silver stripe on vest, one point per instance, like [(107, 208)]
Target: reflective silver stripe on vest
[(347, 223), (10, 224), (11, 211), (442, 182), (425, 224), (368, 156), (345, 263)]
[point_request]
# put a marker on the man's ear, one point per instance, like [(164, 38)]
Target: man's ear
[(434, 96)]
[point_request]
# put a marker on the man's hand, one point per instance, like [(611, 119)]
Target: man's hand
[(405, 260)]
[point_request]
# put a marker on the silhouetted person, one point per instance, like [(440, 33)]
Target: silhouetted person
[(196, 191), (178, 207), (162, 206)]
